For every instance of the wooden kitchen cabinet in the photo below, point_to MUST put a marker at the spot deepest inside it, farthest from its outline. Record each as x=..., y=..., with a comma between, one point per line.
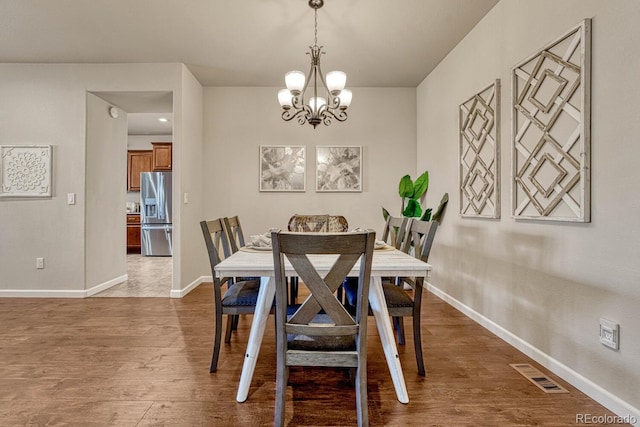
x=133, y=233
x=137, y=161
x=161, y=160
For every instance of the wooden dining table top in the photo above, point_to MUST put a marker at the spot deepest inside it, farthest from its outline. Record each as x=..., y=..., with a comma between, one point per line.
x=386, y=262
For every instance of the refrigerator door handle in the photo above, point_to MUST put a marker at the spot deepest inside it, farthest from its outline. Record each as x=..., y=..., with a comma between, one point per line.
x=161, y=191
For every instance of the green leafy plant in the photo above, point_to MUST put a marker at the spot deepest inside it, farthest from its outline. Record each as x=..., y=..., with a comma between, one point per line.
x=411, y=192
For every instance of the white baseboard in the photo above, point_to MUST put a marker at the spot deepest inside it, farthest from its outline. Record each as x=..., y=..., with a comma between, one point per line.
x=591, y=389
x=106, y=285
x=57, y=293
x=21, y=293
x=191, y=286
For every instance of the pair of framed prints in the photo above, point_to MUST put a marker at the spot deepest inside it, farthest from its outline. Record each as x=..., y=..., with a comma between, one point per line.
x=283, y=168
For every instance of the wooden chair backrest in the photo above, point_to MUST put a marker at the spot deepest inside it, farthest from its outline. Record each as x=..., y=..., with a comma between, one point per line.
x=395, y=229
x=421, y=235
x=215, y=239
x=350, y=247
x=233, y=229
x=318, y=224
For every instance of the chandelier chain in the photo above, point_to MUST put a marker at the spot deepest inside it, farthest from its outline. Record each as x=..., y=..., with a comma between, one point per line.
x=315, y=28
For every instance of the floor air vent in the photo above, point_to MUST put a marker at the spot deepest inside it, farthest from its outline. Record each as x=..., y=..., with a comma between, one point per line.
x=538, y=378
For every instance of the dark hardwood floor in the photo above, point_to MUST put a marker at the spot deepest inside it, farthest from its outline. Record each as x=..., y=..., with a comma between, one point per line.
x=145, y=362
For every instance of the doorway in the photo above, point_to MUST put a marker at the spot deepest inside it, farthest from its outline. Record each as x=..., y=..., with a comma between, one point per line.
x=149, y=120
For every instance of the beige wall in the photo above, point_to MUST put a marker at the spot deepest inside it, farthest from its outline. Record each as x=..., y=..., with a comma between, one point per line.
x=107, y=171
x=47, y=104
x=188, y=155
x=547, y=283
x=238, y=120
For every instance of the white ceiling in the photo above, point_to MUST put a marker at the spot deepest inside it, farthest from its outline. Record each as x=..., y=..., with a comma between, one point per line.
x=394, y=43
x=378, y=43
x=144, y=111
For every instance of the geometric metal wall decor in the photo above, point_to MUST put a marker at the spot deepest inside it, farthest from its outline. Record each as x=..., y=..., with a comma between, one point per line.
x=25, y=170
x=550, y=127
x=480, y=153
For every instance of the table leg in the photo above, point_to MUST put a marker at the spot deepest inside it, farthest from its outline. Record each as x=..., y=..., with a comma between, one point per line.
x=263, y=307
x=383, y=322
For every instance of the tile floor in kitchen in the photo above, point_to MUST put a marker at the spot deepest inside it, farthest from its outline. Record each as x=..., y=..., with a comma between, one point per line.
x=148, y=277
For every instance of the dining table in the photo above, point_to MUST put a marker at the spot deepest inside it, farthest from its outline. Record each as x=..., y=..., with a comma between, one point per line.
x=258, y=262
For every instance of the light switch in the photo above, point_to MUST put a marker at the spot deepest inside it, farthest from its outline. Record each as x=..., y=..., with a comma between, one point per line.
x=186, y=198
x=71, y=198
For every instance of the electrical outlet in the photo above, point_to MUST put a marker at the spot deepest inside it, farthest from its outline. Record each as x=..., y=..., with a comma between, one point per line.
x=39, y=263
x=609, y=333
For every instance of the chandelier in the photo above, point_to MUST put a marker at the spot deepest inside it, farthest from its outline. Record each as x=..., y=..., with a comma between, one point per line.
x=327, y=100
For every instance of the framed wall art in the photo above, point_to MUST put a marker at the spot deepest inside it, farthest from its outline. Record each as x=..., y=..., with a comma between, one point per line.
x=25, y=170
x=480, y=153
x=338, y=168
x=550, y=128
x=282, y=168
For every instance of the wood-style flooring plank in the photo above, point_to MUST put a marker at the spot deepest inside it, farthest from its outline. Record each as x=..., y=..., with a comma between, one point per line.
x=144, y=362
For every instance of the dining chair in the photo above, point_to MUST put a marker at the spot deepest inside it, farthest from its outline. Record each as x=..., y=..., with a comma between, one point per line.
x=395, y=229
x=314, y=223
x=393, y=234
x=234, y=233
x=400, y=302
x=235, y=238
x=318, y=223
x=322, y=332
x=240, y=297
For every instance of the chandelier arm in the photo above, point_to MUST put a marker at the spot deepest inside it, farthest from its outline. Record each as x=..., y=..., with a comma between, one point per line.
x=322, y=79
x=333, y=102
x=297, y=101
x=339, y=115
x=288, y=115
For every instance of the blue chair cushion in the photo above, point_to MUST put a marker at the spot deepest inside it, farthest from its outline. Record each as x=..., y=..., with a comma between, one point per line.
x=396, y=296
x=241, y=294
x=350, y=286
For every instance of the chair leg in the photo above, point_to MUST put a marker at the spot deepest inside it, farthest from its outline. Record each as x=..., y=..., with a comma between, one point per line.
x=362, y=406
x=216, y=342
x=293, y=290
x=281, y=387
x=417, y=343
x=227, y=334
x=398, y=324
x=236, y=318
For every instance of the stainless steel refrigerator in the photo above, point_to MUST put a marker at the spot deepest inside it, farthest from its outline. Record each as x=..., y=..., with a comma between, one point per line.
x=155, y=213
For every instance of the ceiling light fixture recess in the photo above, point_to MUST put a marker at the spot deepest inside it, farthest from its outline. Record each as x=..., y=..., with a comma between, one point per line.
x=333, y=99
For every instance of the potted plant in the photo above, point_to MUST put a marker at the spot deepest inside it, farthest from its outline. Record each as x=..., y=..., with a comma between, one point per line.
x=411, y=192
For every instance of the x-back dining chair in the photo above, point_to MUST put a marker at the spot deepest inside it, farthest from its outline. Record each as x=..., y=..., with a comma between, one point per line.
x=314, y=223
x=395, y=229
x=234, y=233
x=240, y=297
x=235, y=238
x=400, y=303
x=321, y=332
